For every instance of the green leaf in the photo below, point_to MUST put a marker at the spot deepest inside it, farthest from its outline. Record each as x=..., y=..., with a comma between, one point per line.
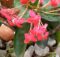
x=50, y=17
x=46, y=1
x=42, y=43
x=58, y=36
x=19, y=45
x=17, y=3
x=26, y=14
x=1, y=23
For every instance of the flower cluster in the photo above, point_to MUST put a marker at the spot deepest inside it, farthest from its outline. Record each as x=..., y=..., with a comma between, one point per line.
x=34, y=18
x=37, y=32
x=32, y=1
x=11, y=17
x=54, y=3
x=26, y=1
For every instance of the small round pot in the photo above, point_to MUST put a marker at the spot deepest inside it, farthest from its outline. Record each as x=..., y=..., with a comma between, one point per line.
x=6, y=33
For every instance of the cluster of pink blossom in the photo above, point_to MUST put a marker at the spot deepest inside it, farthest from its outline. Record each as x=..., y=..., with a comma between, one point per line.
x=12, y=18
x=26, y=1
x=34, y=18
x=38, y=32
x=32, y=1
x=54, y=3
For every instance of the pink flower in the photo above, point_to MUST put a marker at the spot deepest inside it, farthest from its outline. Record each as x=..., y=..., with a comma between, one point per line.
x=26, y=1
x=38, y=33
x=18, y=22
x=39, y=37
x=11, y=18
x=7, y=16
x=8, y=11
x=32, y=13
x=10, y=23
x=35, y=31
x=34, y=18
x=54, y=3
x=40, y=29
x=41, y=1
x=29, y=37
x=46, y=35
x=41, y=32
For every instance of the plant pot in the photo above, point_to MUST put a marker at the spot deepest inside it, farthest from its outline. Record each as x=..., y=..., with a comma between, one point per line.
x=6, y=33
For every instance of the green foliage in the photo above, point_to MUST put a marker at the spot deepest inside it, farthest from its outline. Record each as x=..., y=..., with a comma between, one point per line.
x=45, y=1
x=35, y=4
x=0, y=22
x=19, y=45
x=50, y=17
x=58, y=36
x=18, y=5
x=42, y=43
x=52, y=54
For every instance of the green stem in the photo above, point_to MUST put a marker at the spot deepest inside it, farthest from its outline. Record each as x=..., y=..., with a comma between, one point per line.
x=50, y=13
x=23, y=13
x=54, y=10
x=46, y=5
x=38, y=4
x=0, y=23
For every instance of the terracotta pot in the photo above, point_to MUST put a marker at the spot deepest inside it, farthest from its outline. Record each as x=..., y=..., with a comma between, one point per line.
x=6, y=33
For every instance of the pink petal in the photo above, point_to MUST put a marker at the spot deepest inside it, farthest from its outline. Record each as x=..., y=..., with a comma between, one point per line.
x=32, y=31
x=26, y=41
x=36, y=20
x=10, y=23
x=45, y=26
x=23, y=1
x=32, y=13
x=41, y=1
x=38, y=17
x=58, y=1
x=54, y=3
x=33, y=38
x=16, y=22
x=5, y=15
x=46, y=35
x=21, y=21
x=29, y=20
x=27, y=36
x=39, y=37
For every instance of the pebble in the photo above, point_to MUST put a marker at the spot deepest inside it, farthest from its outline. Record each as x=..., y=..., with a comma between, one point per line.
x=29, y=52
x=58, y=50
x=51, y=42
x=57, y=55
x=41, y=51
x=2, y=53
